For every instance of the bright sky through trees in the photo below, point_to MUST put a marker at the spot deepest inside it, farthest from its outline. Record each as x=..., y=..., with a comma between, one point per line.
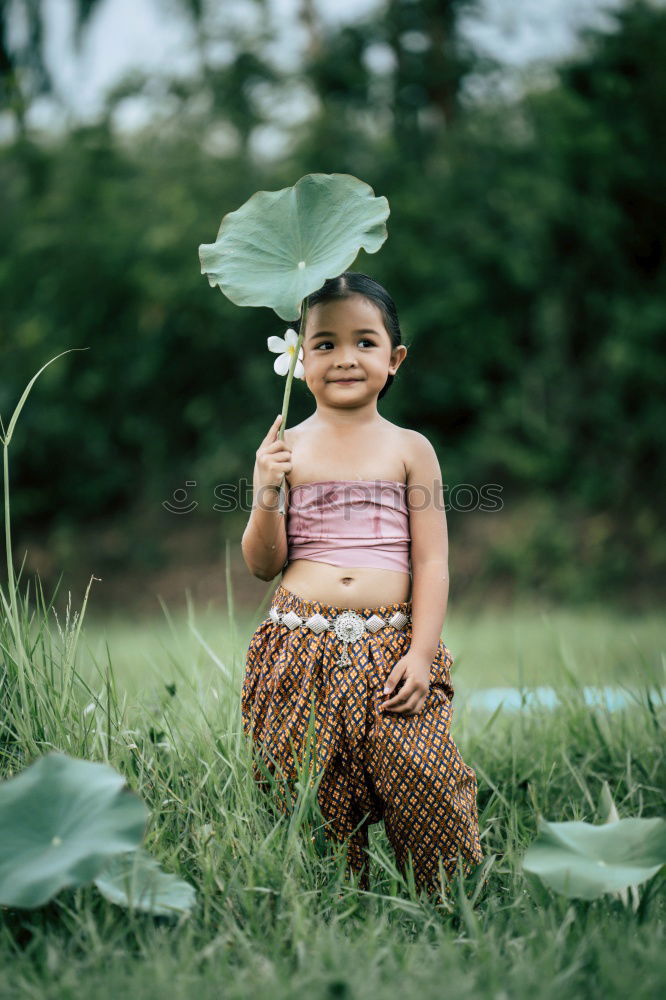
x=153, y=34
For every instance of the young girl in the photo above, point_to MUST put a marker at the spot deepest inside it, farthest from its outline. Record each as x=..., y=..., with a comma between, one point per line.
x=353, y=632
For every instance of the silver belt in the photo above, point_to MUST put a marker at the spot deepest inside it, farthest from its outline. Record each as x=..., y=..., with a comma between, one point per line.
x=348, y=626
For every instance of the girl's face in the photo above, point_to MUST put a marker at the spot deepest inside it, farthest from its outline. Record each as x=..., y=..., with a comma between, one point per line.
x=347, y=339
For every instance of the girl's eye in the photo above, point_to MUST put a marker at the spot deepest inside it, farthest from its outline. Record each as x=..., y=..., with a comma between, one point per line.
x=363, y=340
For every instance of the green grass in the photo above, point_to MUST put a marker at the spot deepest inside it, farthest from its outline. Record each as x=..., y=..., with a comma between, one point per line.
x=276, y=916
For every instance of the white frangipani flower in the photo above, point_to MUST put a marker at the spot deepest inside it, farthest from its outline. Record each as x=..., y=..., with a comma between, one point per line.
x=285, y=348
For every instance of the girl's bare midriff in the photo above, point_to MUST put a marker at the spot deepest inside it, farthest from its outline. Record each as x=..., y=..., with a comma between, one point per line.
x=345, y=586
x=313, y=461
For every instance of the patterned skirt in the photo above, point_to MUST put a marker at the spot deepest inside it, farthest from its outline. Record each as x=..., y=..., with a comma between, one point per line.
x=371, y=765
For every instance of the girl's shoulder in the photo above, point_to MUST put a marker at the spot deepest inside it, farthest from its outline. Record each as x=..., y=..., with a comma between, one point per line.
x=418, y=451
x=292, y=433
x=415, y=438
x=406, y=436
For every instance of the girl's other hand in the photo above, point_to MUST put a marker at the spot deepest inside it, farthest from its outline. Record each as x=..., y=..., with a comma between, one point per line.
x=273, y=458
x=414, y=670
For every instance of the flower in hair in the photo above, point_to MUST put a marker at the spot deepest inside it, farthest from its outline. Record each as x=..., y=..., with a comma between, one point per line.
x=286, y=347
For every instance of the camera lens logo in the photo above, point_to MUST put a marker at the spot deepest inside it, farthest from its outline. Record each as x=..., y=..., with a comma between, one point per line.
x=178, y=503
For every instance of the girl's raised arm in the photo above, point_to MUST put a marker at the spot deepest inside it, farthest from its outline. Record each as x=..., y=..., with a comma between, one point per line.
x=264, y=542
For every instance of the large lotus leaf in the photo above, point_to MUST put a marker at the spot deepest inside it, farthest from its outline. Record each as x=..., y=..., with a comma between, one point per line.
x=60, y=820
x=583, y=860
x=282, y=245
x=134, y=879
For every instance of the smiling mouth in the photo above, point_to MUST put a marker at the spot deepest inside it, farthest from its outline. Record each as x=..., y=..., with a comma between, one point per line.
x=345, y=380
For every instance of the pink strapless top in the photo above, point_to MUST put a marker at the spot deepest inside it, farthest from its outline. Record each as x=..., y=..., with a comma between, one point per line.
x=350, y=523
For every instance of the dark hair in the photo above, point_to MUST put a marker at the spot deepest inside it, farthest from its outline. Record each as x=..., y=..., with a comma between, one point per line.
x=354, y=283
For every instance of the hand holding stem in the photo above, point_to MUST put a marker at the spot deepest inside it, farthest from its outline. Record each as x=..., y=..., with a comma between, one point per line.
x=287, y=392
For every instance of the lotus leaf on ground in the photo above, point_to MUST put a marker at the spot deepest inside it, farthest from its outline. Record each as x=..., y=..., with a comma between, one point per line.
x=135, y=879
x=281, y=246
x=583, y=860
x=60, y=821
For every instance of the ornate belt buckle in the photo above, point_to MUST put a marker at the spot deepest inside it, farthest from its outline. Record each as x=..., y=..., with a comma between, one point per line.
x=348, y=626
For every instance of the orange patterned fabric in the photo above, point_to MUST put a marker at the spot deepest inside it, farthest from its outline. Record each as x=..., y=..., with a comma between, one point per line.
x=376, y=765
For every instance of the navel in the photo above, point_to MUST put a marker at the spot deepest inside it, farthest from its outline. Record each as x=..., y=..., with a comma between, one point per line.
x=348, y=579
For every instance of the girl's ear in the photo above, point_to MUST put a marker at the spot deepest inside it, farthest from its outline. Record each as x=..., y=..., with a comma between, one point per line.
x=398, y=355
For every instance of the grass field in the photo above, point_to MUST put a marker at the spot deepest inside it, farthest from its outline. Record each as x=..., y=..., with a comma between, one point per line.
x=276, y=917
